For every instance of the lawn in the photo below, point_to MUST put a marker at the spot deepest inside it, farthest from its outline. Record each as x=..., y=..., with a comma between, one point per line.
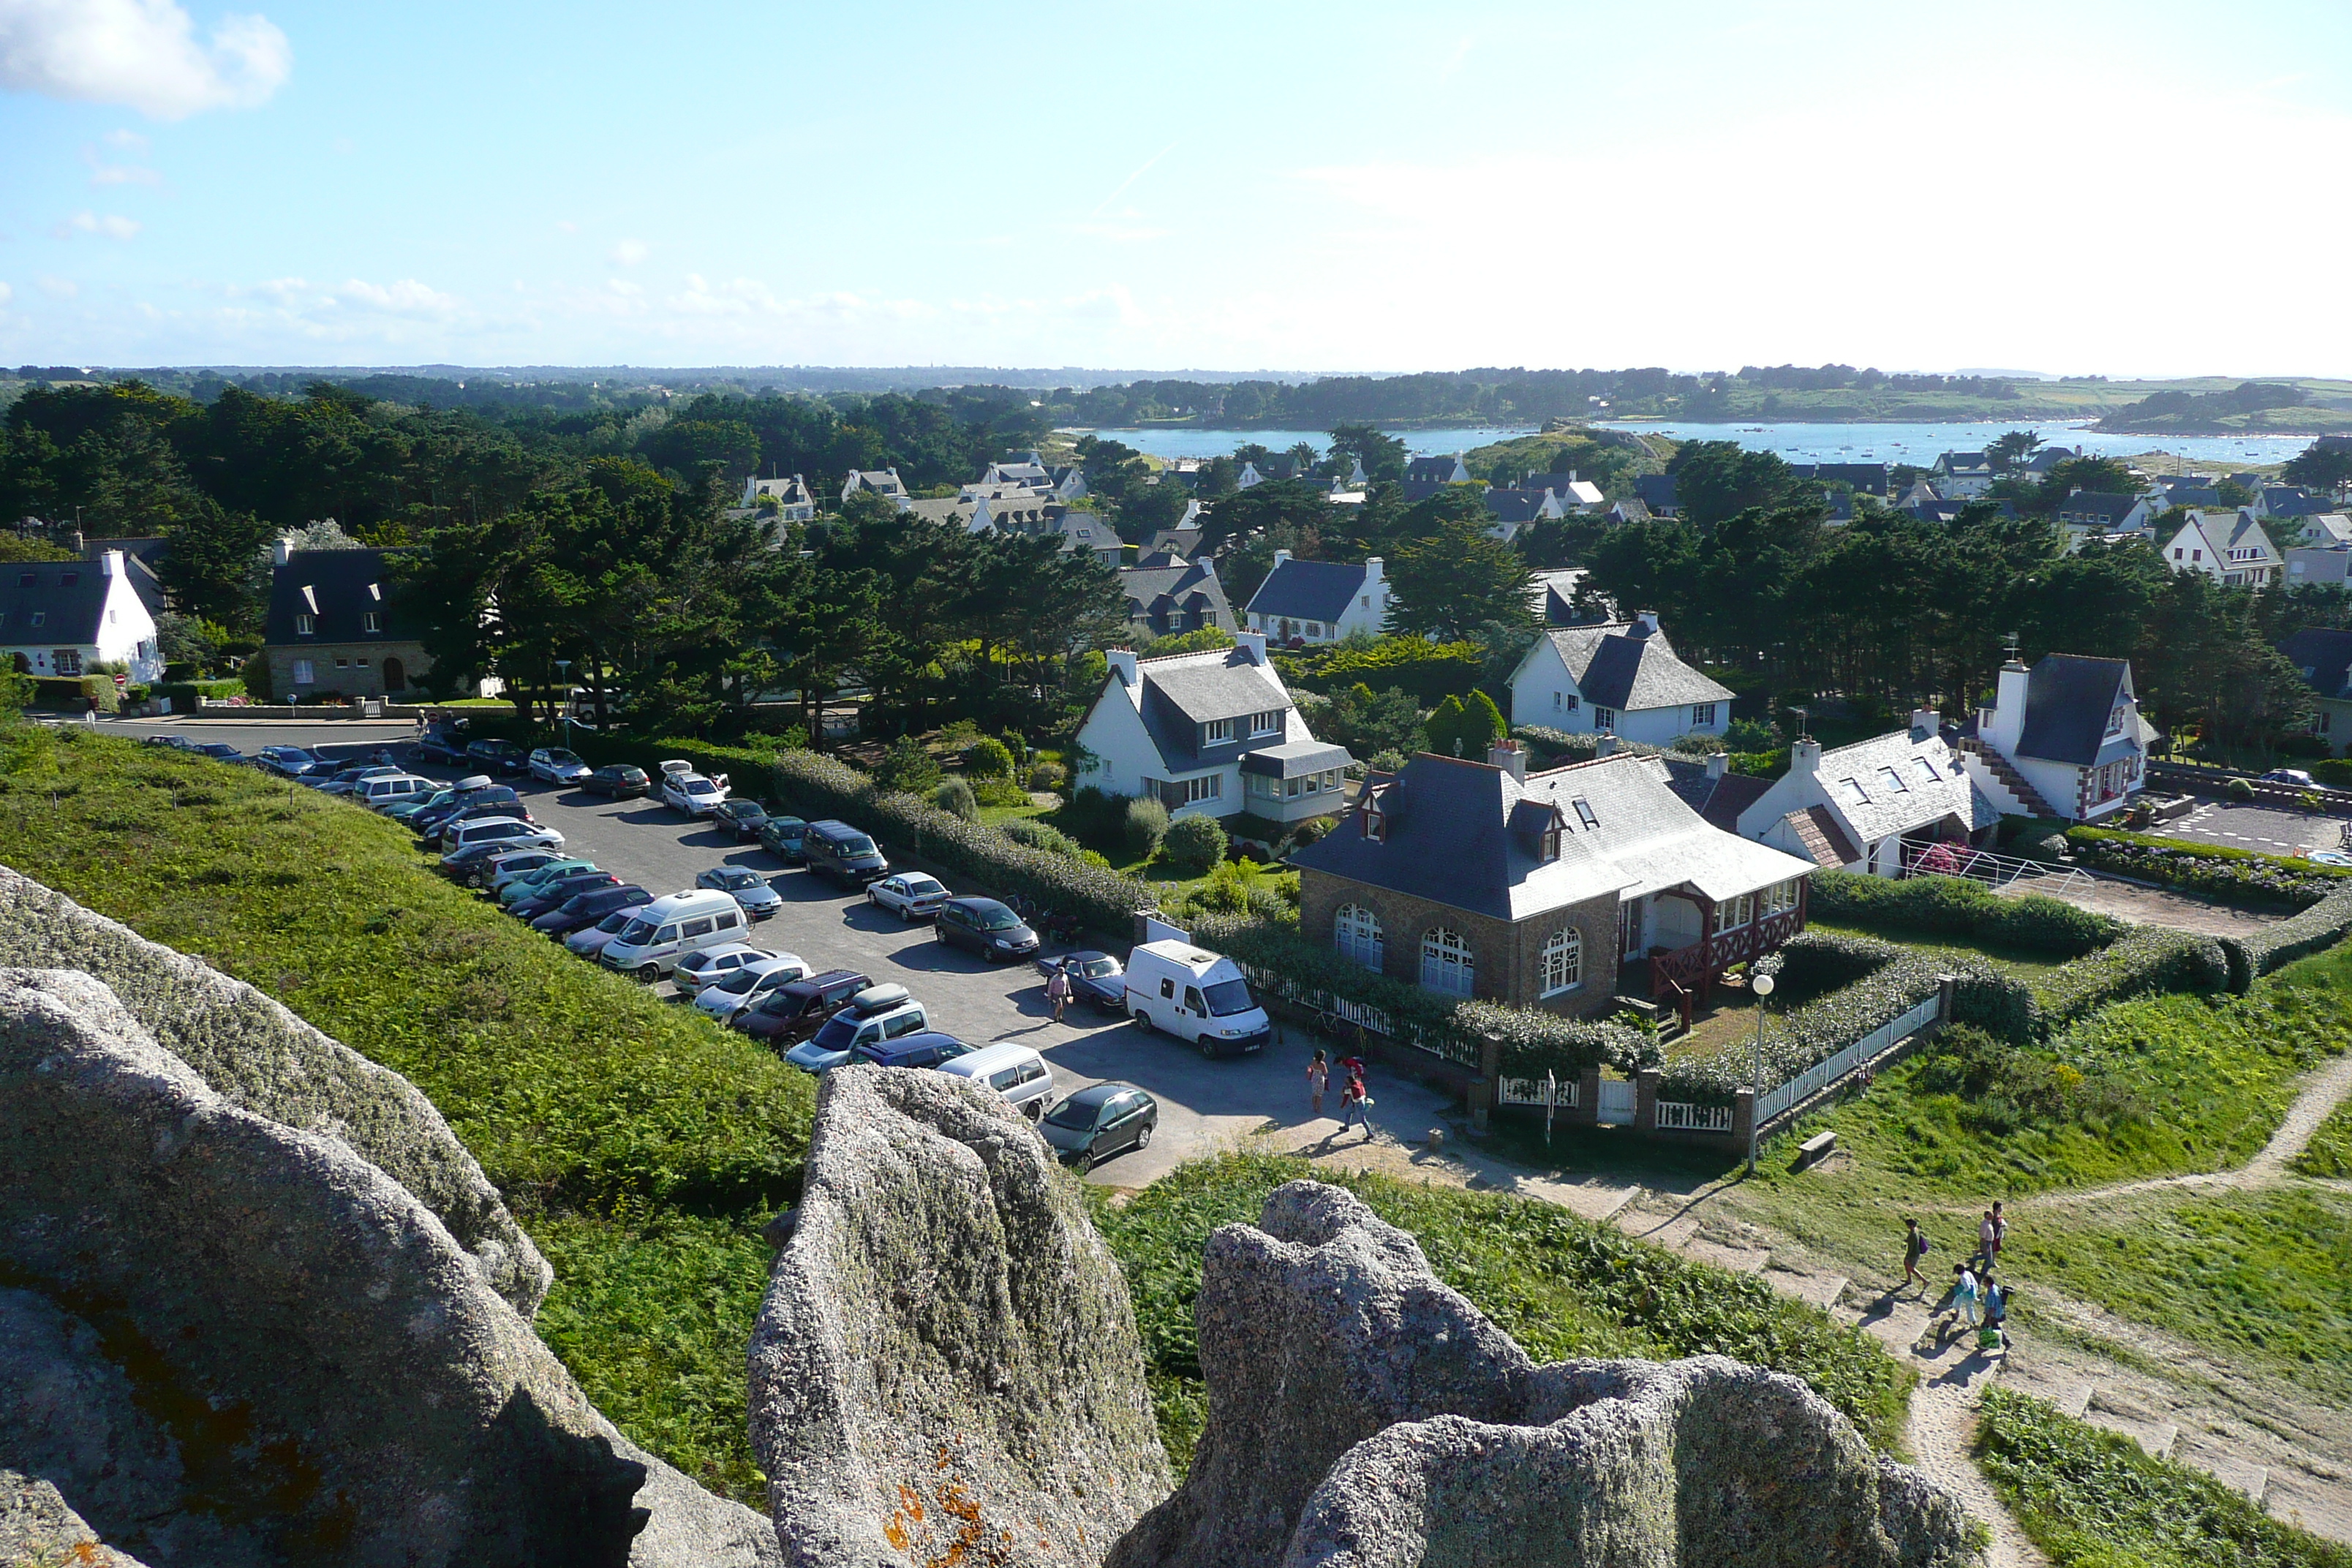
x=1561, y=1286
x=641, y=1145
x=2329, y=1153
x=2026, y=963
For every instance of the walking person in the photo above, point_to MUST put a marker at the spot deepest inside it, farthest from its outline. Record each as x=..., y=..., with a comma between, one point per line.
x=90, y=710
x=1992, y=1231
x=1966, y=1301
x=1352, y=1100
x=1057, y=991
x=1914, y=1248
x=1318, y=1073
x=1995, y=1336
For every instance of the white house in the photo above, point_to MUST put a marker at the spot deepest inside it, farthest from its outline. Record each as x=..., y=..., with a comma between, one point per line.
x=1320, y=601
x=1963, y=476
x=1450, y=471
x=1209, y=734
x=1862, y=808
x=1574, y=494
x=883, y=482
x=2062, y=739
x=1620, y=677
x=2105, y=512
x=794, y=501
x=2230, y=546
x=67, y=617
x=1513, y=510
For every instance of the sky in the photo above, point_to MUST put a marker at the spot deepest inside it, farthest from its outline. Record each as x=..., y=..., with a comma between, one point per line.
x=2076, y=186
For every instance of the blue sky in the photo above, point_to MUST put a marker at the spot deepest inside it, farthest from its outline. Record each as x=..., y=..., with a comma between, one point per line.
x=2154, y=187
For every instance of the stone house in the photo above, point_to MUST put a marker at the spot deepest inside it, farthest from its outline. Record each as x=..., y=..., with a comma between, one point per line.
x=335, y=625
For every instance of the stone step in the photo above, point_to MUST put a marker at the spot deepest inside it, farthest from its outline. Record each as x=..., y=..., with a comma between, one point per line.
x=1823, y=1290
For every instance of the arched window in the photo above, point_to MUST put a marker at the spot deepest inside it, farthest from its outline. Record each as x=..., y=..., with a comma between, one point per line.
x=1356, y=933
x=1446, y=966
x=1562, y=962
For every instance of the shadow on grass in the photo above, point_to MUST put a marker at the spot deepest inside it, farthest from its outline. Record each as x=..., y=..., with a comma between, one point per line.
x=1578, y=1152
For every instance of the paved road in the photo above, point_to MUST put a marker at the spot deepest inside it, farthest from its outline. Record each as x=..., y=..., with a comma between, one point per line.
x=1204, y=1105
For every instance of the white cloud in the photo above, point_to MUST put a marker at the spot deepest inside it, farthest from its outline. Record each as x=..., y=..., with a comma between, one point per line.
x=630, y=252
x=407, y=297
x=143, y=54
x=113, y=226
x=6, y=293
x=129, y=140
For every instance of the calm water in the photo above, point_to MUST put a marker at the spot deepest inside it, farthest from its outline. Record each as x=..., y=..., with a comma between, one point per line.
x=1918, y=445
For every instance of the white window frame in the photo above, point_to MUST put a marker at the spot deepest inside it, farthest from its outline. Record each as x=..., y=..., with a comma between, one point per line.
x=1216, y=732
x=1702, y=715
x=372, y=621
x=1266, y=723
x=1448, y=965
x=1561, y=963
x=304, y=673
x=1209, y=786
x=1604, y=718
x=1357, y=935
x=306, y=626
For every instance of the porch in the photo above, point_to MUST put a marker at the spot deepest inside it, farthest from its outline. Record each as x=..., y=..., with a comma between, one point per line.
x=1714, y=935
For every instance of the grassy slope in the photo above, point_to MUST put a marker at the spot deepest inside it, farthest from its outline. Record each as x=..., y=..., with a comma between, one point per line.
x=2329, y=1153
x=1563, y=1287
x=639, y=1144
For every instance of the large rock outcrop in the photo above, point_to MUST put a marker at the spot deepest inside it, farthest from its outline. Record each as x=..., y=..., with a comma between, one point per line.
x=1363, y=1415
x=254, y=1054
x=227, y=1341
x=946, y=1367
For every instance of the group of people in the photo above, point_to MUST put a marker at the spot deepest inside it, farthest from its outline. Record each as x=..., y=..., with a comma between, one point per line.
x=1353, y=1099
x=1977, y=1299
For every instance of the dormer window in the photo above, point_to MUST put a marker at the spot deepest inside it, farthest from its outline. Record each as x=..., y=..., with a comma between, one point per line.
x=1376, y=821
x=1265, y=723
x=1551, y=844
x=1216, y=732
x=372, y=621
x=306, y=626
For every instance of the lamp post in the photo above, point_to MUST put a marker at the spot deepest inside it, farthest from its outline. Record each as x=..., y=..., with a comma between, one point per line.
x=564, y=676
x=1762, y=985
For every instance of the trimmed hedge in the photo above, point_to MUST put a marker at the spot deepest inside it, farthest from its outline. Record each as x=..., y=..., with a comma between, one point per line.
x=73, y=691
x=2323, y=925
x=2231, y=876
x=1956, y=906
x=2146, y=958
x=1555, y=748
x=187, y=695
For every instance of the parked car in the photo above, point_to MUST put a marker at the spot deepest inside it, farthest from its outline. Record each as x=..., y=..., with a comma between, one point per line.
x=555, y=765
x=442, y=744
x=488, y=803
x=508, y=831
x=621, y=781
x=389, y=789
x=691, y=793
x=521, y=884
x=673, y=929
x=910, y=895
x=929, y=1048
x=1097, y=979
x=218, y=750
x=750, y=889
x=585, y=910
x=589, y=943
x=985, y=927
x=750, y=983
x=497, y=756
x=743, y=817
x=782, y=837
x=177, y=742
x=346, y=781
x=2295, y=776
x=1098, y=1121
x=557, y=891
x=715, y=963
x=1014, y=1071
x=793, y=1013
x=286, y=762
x=876, y=1014
x=408, y=810
x=462, y=793
x=503, y=870
x=837, y=850
x=1198, y=996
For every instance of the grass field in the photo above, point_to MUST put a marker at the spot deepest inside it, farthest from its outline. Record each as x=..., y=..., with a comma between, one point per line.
x=1561, y=1286
x=2329, y=1153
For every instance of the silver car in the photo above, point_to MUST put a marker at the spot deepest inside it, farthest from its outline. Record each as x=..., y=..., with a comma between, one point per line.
x=749, y=889
x=713, y=964
x=749, y=986
x=556, y=766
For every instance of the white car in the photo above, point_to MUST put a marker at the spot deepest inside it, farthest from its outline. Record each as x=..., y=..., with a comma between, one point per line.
x=556, y=766
x=749, y=986
x=910, y=895
x=691, y=793
x=715, y=963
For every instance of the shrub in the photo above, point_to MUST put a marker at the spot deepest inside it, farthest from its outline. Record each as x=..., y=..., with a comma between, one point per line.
x=1424, y=670
x=907, y=767
x=1048, y=776
x=1956, y=906
x=2001, y=1088
x=1000, y=791
x=988, y=758
x=2239, y=790
x=1751, y=735
x=2323, y=925
x=2146, y=958
x=1696, y=746
x=955, y=797
x=1390, y=762
x=253, y=673
x=73, y=691
x=1193, y=844
x=2233, y=875
x=1143, y=825
x=1040, y=836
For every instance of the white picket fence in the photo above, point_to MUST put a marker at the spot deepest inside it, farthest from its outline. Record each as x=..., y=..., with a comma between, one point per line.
x=1684, y=1115
x=1821, y=1075
x=1530, y=1091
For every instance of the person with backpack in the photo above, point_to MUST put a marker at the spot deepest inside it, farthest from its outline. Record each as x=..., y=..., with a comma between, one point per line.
x=1915, y=1248
x=1966, y=1299
x=1994, y=1335
x=1352, y=1102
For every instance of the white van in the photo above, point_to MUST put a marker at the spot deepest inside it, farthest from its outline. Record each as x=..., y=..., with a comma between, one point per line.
x=1194, y=996
x=673, y=928
x=1016, y=1072
x=391, y=790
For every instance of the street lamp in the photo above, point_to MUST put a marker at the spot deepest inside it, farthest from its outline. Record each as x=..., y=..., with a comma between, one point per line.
x=1762, y=985
x=564, y=675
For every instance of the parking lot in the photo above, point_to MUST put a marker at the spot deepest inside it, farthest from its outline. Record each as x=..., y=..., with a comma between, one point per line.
x=1204, y=1105
x=2265, y=829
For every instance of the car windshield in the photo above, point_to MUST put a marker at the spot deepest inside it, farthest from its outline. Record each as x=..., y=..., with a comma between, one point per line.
x=857, y=844
x=736, y=877
x=1228, y=997
x=1073, y=1113
x=563, y=759
x=997, y=919
x=637, y=932
x=786, y=1004
x=617, y=923
x=839, y=1032
x=700, y=786
x=1096, y=968
x=742, y=979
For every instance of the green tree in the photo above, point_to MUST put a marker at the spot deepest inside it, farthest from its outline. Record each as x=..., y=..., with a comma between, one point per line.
x=2325, y=465
x=1718, y=479
x=2012, y=450
x=1381, y=455
x=907, y=767
x=1454, y=576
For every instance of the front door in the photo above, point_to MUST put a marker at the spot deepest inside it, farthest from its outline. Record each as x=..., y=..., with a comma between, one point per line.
x=396, y=677
x=1629, y=928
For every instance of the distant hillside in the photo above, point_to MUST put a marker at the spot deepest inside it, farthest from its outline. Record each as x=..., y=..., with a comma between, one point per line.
x=2251, y=408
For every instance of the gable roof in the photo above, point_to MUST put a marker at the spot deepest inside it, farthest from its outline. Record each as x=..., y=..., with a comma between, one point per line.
x=1174, y=589
x=1618, y=665
x=1514, y=506
x=1459, y=834
x=1309, y=590
x=2098, y=506
x=1910, y=799
x=1438, y=470
x=1183, y=691
x=2068, y=698
x=2223, y=532
x=338, y=589
x=2324, y=657
x=1718, y=800
x=69, y=595
x=1824, y=838
x=1656, y=491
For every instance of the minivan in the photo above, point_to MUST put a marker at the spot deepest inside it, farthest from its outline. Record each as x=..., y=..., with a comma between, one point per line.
x=798, y=1010
x=1194, y=996
x=1016, y=1072
x=502, y=829
x=837, y=850
x=378, y=792
x=672, y=928
x=877, y=1014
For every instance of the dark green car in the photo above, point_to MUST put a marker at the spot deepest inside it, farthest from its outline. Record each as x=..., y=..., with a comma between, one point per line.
x=785, y=837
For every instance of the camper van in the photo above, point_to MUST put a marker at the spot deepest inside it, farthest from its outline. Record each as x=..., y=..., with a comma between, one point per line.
x=1014, y=1071
x=1198, y=996
x=673, y=928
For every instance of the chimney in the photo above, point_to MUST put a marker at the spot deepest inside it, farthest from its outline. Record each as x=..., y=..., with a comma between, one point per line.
x=1122, y=664
x=1253, y=646
x=283, y=551
x=1371, y=569
x=1571, y=476
x=110, y=563
x=1607, y=746
x=1279, y=557
x=1804, y=755
x=1511, y=758
x=1926, y=724
x=2007, y=724
x=1647, y=623
x=1717, y=763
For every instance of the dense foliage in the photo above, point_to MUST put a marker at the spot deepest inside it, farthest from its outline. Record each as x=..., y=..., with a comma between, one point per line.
x=1958, y=907
x=2231, y=876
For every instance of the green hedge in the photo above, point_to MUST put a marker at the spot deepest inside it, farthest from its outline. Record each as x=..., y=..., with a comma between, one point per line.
x=72, y=691
x=187, y=695
x=2323, y=925
x=1955, y=906
x=1429, y=672
x=2231, y=876
x=1556, y=747
x=2146, y=958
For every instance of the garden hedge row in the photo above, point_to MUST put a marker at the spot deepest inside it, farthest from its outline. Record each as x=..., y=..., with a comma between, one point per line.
x=2323, y=925
x=72, y=691
x=1429, y=672
x=2233, y=875
x=187, y=695
x=2146, y=958
x=1955, y=906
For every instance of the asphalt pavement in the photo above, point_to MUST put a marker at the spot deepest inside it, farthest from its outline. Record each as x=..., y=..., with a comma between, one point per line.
x=1204, y=1105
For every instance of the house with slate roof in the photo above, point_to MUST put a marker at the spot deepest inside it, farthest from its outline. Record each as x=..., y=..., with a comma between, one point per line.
x=1574, y=494
x=1167, y=597
x=2229, y=547
x=883, y=482
x=2330, y=563
x=1551, y=594
x=1873, y=806
x=2104, y=512
x=67, y=617
x=2062, y=739
x=2287, y=503
x=2324, y=659
x=1656, y=491
x=794, y=501
x=1438, y=471
x=336, y=624
x=1209, y=734
x=1310, y=602
x=1962, y=474
x=1513, y=510
x=1620, y=677
x=1556, y=889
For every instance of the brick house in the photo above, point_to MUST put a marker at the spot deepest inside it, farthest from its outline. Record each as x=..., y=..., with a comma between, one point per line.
x=1559, y=890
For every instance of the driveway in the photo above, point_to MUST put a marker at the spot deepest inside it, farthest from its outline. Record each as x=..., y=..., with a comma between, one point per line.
x=1204, y=1105
x=2265, y=829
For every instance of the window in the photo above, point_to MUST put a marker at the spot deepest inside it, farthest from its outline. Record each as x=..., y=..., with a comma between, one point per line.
x=1736, y=914
x=698, y=928
x=1446, y=966
x=1315, y=628
x=1895, y=780
x=1781, y=896
x=1268, y=724
x=1215, y=730
x=306, y=626
x=1584, y=812
x=1604, y=718
x=302, y=676
x=1555, y=702
x=1208, y=788
x=1562, y=962
x=1376, y=821
x=1926, y=771
x=1356, y=933
x=69, y=579
x=1854, y=793
x=40, y=619
x=372, y=621
x=1550, y=848
x=2115, y=718
x=1265, y=788
x=342, y=664
x=26, y=579
x=67, y=659
x=1702, y=715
